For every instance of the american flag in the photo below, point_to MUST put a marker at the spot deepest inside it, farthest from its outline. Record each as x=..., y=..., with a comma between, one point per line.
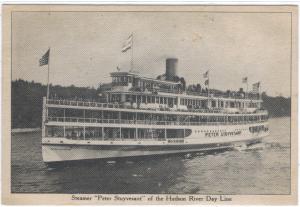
x=45, y=59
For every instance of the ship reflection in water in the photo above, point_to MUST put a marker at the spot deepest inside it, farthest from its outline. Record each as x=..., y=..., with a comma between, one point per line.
x=264, y=169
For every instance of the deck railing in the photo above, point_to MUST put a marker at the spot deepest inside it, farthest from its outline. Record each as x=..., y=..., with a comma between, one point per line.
x=144, y=122
x=232, y=95
x=92, y=104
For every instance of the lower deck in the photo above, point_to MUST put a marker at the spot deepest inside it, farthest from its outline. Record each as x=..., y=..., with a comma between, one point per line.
x=111, y=132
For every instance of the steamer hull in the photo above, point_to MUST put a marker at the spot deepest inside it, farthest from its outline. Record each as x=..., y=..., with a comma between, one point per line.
x=62, y=149
x=61, y=153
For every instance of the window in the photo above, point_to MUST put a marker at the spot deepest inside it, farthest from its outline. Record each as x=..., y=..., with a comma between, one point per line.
x=231, y=104
x=54, y=131
x=213, y=103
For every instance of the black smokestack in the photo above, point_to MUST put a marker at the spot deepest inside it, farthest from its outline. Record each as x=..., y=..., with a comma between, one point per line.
x=171, y=68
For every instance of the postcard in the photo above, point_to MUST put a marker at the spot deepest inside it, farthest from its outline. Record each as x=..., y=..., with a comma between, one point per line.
x=149, y=104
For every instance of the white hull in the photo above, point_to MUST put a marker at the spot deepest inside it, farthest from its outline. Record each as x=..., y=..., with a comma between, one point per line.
x=63, y=149
x=71, y=153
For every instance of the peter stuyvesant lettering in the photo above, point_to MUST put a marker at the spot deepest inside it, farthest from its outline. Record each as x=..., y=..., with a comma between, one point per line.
x=119, y=198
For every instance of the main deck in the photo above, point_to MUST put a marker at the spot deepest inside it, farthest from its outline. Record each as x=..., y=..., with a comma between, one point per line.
x=81, y=120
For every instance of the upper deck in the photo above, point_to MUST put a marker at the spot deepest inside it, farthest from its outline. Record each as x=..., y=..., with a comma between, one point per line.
x=170, y=92
x=133, y=82
x=75, y=104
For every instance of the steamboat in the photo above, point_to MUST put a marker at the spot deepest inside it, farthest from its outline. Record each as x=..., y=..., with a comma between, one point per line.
x=142, y=116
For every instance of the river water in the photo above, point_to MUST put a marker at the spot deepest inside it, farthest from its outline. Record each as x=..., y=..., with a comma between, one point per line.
x=257, y=171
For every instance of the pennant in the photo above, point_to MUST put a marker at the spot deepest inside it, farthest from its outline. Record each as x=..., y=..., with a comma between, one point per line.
x=127, y=44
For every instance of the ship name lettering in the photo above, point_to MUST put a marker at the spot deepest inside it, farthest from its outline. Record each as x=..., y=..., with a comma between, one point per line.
x=222, y=134
x=230, y=133
x=212, y=134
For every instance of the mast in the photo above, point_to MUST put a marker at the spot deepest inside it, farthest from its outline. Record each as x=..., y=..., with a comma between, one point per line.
x=208, y=84
x=247, y=93
x=259, y=95
x=131, y=53
x=48, y=86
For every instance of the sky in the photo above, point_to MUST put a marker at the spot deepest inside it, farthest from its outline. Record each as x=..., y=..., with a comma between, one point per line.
x=86, y=47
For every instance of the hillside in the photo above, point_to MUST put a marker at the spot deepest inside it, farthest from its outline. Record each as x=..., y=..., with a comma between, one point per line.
x=277, y=106
x=27, y=101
